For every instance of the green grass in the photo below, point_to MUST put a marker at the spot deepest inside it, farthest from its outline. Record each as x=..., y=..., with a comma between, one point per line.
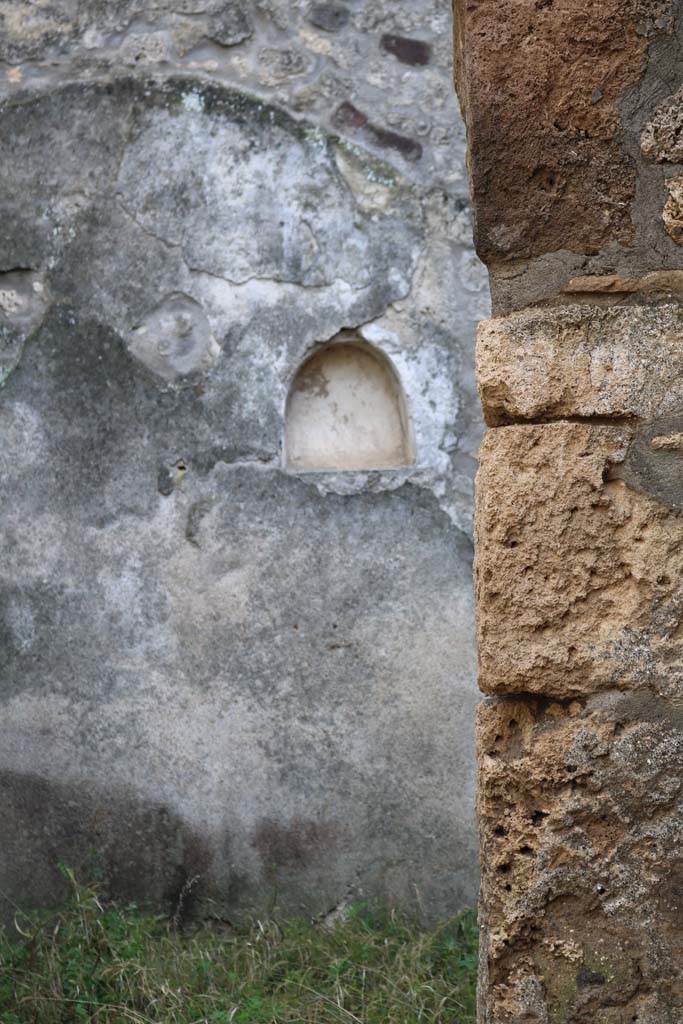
x=97, y=962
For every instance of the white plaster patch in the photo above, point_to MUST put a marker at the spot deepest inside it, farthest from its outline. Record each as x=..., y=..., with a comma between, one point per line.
x=23, y=438
x=193, y=102
x=431, y=394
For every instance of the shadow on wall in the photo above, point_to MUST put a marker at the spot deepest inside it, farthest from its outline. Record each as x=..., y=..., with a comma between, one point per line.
x=139, y=850
x=346, y=410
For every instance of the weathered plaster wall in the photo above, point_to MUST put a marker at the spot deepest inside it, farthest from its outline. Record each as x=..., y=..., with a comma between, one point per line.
x=213, y=668
x=573, y=114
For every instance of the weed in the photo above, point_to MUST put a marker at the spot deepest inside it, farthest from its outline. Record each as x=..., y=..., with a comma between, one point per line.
x=97, y=962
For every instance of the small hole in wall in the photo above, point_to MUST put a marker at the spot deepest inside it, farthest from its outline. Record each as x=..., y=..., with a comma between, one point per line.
x=346, y=411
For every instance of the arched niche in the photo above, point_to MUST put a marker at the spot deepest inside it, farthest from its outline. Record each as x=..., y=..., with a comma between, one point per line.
x=346, y=411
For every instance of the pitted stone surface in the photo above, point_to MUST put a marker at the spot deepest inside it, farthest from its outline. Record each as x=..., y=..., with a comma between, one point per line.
x=662, y=137
x=579, y=806
x=578, y=576
x=581, y=361
x=545, y=176
x=572, y=111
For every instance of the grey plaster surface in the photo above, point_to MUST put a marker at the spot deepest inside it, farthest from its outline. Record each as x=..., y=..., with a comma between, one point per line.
x=213, y=669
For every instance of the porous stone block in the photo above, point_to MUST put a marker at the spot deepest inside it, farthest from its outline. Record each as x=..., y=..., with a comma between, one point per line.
x=558, y=98
x=579, y=805
x=541, y=84
x=581, y=361
x=662, y=137
x=578, y=573
x=573, y=121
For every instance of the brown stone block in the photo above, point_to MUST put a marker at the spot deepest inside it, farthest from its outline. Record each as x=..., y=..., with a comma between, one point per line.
x=581, y=361
x=579, y=814
x=541, y=84
x=578, y=574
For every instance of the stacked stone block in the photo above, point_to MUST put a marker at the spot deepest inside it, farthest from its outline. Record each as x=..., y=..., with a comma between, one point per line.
x=579, y=534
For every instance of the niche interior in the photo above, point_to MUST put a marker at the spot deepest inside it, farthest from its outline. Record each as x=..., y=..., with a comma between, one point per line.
x=346, y=411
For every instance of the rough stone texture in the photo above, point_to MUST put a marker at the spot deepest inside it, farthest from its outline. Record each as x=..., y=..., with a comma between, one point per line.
x=556, y=97
x=579, y=807
x=662, y=137
x=573, y=111
x=578, y=575
x=579, y=571
x=657, y=285
x=211, y=668
x=581, y=361
x=672, y=214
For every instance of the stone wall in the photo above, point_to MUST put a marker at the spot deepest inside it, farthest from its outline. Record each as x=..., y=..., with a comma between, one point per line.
x=574, y=114
x=223, y=677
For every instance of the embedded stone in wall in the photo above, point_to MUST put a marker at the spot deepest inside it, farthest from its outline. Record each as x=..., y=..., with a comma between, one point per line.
x=581, y=361
x=559, y=180
x=230, y=25
x=23, y=300
x=556, y=97
x=672, y=214
x=654, y=286
x=329, y=17
x=358, y=124
x=346, y=410
x=577, y=574
x=414, y=52
x=662, y=137
x=174, y=339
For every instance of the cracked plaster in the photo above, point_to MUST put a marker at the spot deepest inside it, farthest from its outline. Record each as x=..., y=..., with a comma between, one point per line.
x=270, y=676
